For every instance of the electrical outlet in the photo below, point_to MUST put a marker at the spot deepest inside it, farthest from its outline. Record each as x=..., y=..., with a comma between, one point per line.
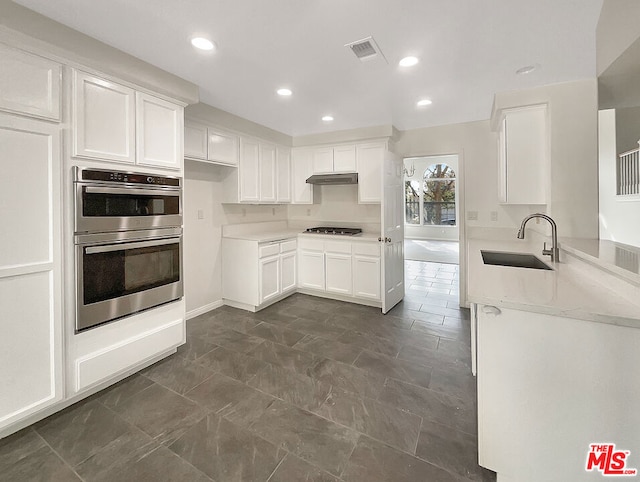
x=200, y=214
x=308, y=212
x=244, y=212
x=494, y=215
x=273, y=211
x=472, y=215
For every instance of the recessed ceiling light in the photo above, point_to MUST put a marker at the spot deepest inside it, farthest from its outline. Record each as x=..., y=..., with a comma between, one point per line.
x=423, y=102
x=408, y=62
x=202, y=43
x=327, y=118
x=284, y=92
x=527, y=69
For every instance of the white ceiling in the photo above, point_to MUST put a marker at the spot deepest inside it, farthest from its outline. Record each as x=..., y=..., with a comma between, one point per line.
x=468, y=50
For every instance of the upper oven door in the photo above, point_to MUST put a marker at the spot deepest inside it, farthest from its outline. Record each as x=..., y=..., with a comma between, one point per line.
x=104, y=208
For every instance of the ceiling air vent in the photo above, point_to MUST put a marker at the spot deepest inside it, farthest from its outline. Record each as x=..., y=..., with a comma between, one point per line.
x=365, y=49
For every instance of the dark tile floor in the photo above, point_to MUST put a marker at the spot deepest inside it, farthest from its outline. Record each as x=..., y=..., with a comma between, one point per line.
x=306, y=390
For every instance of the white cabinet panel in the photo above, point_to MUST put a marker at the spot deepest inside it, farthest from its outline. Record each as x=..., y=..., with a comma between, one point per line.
x=283, y=174
x=523, y=156
x=344, y=159
x=302, y=169
x=338, y=273
x=366, y=277
x=25, y=192
x=370, y=158
x=29, y=84
x=195, y=141
x=288, y=270
x=223, y=147
x=159, y=131
x=27, y=370
x=311, y=270
x=267, y=173
x=322, y=160
x=103, y=119
x=249, y=170
x=269, y=272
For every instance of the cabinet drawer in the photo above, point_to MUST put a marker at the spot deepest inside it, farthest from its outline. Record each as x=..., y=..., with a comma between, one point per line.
x=338, y=247
x=268, y=250
x=287, y=246
x=312, y=244
x=367, y=249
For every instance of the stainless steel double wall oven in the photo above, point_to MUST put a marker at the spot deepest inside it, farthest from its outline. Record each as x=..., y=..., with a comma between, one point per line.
x=128, y=243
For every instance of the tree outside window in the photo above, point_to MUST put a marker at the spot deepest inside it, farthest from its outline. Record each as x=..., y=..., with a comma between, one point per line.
x=437, y=196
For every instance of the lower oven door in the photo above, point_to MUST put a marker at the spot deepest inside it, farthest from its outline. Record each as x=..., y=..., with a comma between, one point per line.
x=116, y=277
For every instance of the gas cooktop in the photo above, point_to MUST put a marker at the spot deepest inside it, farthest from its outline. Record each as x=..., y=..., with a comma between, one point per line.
x=333, y=230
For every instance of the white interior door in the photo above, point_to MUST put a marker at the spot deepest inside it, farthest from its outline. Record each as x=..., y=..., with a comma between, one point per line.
x=392, y=232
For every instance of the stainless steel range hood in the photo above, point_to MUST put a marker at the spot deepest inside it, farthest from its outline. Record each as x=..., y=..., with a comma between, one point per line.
x=326, y=179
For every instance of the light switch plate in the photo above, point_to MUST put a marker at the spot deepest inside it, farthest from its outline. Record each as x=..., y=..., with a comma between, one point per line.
x=472, y=215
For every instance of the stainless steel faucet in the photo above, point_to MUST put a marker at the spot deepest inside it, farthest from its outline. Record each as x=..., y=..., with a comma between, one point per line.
x=554, y=252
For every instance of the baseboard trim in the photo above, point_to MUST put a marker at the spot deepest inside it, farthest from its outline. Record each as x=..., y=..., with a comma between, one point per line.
x=204, y=309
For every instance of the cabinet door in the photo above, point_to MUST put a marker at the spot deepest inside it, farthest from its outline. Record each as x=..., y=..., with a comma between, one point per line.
x=283, y=175
x=370, y=158
x=103, y=119
x=267, y=173
x=159, y=131
x=338, y=273
x=29, y=84
x=301, y=170
x=311, y=270
x=223, y=147
x=525, y=166
x=344, y=159
x=248, y=171
x=195, y=141
x=322, y=160
x=366, y=277
x=269, y=272
x=30, y=268
x=288, y=271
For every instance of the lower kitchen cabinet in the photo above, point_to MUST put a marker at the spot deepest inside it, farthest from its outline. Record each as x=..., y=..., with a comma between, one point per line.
x=349, y=270
x=257, y=274
x=550, y=386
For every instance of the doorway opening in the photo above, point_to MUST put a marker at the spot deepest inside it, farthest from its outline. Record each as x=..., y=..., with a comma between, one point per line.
x=432, y=206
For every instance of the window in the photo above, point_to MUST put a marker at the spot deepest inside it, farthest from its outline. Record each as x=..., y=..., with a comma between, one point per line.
x=436, y=194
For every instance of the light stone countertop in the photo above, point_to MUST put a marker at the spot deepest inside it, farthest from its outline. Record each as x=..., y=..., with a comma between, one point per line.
x=269, y=236
x=566, y=291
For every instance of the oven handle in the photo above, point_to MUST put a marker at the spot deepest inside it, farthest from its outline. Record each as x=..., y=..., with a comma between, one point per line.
x=119, y=247
x=121, y=190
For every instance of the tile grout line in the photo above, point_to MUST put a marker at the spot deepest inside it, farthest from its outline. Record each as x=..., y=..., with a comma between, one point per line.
x=64, y=461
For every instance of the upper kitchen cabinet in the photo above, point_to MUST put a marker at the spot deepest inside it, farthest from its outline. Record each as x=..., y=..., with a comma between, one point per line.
x=29, y=84
x=370, y=158
x=115, y=123
x=523, y=155
x=208, y=144
x=301, y=170
x=283, y=174
x=159, y=131
x=267, y=173
x=328, y=160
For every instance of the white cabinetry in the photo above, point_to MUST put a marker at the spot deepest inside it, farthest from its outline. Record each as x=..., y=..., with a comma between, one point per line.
x=301, y=170
x=209, y=144
x=258, y=274
x=548, y=387
x=29, y=84
x=523, y=153
x=30, y=268
x=114, y=122
x=342, y=268
x=263, y=174
x=283, y=174
x=334, y=159
x=370, y=158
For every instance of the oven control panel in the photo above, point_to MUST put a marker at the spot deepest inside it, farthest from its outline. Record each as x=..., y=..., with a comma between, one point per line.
x=125, y=177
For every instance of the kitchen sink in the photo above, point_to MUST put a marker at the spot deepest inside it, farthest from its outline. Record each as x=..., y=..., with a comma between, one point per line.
x=516, y=260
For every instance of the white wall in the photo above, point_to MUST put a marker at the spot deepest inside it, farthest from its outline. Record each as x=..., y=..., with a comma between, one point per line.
x=619, y=217
x=450, y=233
x=627, y=128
